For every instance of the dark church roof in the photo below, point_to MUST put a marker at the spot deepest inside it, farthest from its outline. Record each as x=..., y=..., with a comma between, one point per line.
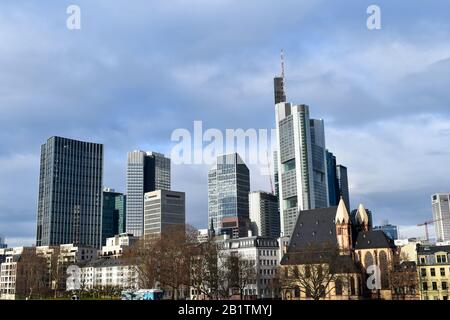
x=372, y=240
x=314, y=226
x=314, y=230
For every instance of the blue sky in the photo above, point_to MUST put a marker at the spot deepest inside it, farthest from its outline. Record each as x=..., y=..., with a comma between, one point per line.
x=138, y=70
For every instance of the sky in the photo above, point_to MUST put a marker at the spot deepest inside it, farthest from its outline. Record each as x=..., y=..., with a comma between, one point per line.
x=138, y=70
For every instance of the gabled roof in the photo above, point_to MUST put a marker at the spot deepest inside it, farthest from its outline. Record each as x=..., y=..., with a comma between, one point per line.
x=361, y=215
x=342, y=215
x=432, y=249
x=373, y=239
x=314, y=226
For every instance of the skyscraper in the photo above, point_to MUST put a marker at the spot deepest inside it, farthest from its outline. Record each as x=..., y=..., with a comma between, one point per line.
x=146, y=172
x=341, y=173
x=70, y=193
x=264, y=214
x=319, y=163
x=440, y=203
x=112, y=214
x=163, y=210
x=228, y=188
x=302, y=171
x=121, y=207
x=302, y=178
x=333, y=184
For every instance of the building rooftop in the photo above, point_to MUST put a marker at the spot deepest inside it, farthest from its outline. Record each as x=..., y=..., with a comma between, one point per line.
x=373, y=239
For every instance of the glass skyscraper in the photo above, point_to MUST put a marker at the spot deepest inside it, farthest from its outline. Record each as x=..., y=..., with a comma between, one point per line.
x=113, y=214
x=333, y=184
x=301, y=163
x=342, y=177
x=228, y=189
x=146, y=172
x=70, y=193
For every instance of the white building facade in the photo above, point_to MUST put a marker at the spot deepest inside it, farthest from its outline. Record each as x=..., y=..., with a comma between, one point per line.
x=440, y=203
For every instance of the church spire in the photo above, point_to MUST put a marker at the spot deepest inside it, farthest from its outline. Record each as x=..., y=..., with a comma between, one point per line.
x=362, y=218
x=342, y=215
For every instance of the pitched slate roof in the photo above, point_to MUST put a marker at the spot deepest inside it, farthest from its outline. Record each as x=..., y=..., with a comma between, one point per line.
x=314, y=226
x=432, y=249
x=314, y=234
x=372, y=240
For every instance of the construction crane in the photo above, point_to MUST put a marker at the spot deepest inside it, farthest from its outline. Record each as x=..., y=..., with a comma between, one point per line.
x=426, y=223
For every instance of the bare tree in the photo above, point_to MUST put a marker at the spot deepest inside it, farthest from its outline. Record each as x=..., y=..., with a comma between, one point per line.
x=403, y=278
x=32, y=275
x=243, y=272
x=314, y=270
x=175, y=259
x=204, y=269
x=144, y=256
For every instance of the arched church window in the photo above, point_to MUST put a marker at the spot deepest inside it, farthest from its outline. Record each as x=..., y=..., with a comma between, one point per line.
x=368, y=259
x=384, y=269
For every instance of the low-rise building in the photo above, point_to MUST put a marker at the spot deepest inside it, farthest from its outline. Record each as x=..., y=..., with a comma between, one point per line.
x=112, y=273
x=8, y=272
x=434, y=272
x=115, y=246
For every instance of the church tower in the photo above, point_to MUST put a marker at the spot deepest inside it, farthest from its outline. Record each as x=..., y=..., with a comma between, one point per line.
x=362, y=219
x=343, y=228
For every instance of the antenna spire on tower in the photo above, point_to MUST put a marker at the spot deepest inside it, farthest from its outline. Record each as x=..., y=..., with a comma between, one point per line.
x=282, y=63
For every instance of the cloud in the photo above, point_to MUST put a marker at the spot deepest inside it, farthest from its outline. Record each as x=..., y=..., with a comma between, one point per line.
x=135, y=72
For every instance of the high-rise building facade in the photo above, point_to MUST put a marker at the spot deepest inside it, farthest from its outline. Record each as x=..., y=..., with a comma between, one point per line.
x=342, y=177
x=70, y=193
x=301, y=163
x=163, y=210
x=113, y=213
x=146, y=172
x=440, y=203
x=333, y=184
x=264, y=214
x=319, y=163
x=121, y=207
x=228, y=189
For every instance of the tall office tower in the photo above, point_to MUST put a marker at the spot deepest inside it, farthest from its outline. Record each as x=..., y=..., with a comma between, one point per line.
x=341, y=173
x=113, y=214
x=70, y=193
x=440, y=203
x=146, y=172
x=163, y=211
x=333, y=184
x=228, y=188
x=264, y=214
x=121, y=207
x=319, y=163
x=301, y=163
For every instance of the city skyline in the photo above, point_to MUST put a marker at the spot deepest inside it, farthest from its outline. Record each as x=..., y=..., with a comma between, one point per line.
x=363, y=84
